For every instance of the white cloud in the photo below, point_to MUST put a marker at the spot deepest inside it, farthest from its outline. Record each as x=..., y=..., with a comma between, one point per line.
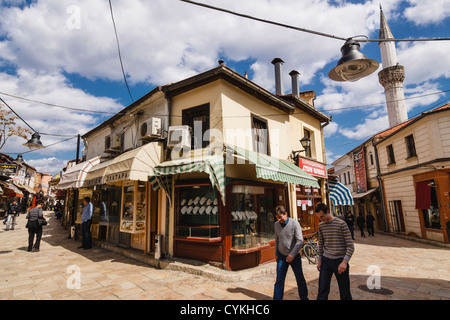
x=367, y=128
x=330, y=129
x=51, y=165
x=424, y=12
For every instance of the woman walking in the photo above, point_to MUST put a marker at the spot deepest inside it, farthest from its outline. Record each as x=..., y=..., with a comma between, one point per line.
x=34, y=228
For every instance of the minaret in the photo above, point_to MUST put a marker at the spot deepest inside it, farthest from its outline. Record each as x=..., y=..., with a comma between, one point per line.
x=392, y=76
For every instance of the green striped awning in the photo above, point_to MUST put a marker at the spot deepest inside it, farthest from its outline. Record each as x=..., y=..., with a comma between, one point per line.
x=270, y=168
x=212, y=165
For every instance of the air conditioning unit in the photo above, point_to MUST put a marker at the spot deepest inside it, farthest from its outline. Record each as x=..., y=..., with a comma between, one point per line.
x=151, y=129
x=179, y=136
x=113, y=142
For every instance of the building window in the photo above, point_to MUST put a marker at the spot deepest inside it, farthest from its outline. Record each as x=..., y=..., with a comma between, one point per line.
x=410, y=146
x=345, y=178
x=390, y=154
x=371, y=159
x=307, y=134
x=431, y=217
x=198, y=119
x=260, y=135
x=348, y=177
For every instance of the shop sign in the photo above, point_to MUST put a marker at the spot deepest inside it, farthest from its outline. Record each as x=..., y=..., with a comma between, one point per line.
x=360, y=170
x=8, y=169
x=313, y=168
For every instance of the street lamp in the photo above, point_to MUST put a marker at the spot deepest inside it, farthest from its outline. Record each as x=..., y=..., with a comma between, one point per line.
x=306, y=143
x=353, y=65
x=35, y=142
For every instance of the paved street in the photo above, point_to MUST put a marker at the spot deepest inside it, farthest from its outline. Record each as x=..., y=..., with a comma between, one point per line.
x=408, y=269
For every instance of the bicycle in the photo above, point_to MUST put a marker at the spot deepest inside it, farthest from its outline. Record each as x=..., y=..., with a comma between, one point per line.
x=311, y=248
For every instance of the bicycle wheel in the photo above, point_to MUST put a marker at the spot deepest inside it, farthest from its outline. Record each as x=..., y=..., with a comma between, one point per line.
x=311, y=253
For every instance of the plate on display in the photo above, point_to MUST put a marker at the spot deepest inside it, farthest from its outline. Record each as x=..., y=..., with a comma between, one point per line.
x=215, y=202
x=195, y=211
x=202, y=210
x=214, y=210
x=189, y=210
x=196, y=200
x=208, y=202
x=184, y=210
x=234, y=216
x=183, y=202
x=202, y=200
x=208, y=210
x=190, y=201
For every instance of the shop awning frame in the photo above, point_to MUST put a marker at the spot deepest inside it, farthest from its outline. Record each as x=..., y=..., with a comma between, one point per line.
x=362, y=195
x=340, y=194
x=96, y=175
x=74, y=176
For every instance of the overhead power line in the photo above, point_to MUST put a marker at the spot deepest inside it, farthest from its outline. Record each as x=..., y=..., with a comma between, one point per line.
x=118, y=49
x=303, y=29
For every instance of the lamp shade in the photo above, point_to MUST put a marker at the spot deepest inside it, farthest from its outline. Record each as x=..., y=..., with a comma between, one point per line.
x=19, y=158
x=306, y=142
x=34, y=142
x=353, y=65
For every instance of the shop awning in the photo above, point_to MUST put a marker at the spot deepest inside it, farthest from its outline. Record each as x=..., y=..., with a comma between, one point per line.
x=135, y=164
x=25, y=188
x=74, y=176
x=270, y=168
x=10, y=190
x=96, y=175
x=361, y=195
x=339, y=194
x=212, y=165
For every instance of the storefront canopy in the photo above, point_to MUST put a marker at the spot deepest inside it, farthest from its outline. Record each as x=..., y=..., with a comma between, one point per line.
x=212, y=165
x=74, y=176
x=25, y=188
x=270, y=168
x=10, y=190
x=339, y=194
x=362, y=195
x=96, y=175
x=135, y=164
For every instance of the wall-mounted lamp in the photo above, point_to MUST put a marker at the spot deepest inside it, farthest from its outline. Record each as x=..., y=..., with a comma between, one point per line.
x=306, y=143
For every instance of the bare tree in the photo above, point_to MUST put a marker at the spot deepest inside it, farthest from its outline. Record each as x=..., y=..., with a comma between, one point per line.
x=9, y=127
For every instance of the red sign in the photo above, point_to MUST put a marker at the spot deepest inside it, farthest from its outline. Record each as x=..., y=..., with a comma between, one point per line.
x=313, y=168
x=360, y=170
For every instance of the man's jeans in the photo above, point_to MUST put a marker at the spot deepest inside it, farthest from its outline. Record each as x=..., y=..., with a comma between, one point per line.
x=11, y=222
x=86, y=234
x=327, y=269
x=282, y=268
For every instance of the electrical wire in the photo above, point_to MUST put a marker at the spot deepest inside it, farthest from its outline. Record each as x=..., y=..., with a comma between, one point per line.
x=50, y=145
x=118, y=49
x=3, y=101
x=303, y=29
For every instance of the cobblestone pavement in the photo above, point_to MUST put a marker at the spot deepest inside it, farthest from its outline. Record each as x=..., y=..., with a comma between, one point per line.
x=408, y=269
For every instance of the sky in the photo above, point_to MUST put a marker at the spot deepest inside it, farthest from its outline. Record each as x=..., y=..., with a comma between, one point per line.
x=64, y=52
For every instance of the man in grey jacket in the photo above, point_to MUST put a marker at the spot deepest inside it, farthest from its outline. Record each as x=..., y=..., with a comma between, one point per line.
x=288, y=242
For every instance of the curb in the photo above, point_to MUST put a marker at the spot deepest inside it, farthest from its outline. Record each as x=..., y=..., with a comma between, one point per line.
x=420, y=240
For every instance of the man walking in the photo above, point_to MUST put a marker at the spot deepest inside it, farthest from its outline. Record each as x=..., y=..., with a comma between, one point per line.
x=86, y=221
x=360, y=221
x=13, y=211
x=335, y=250
x=288, y=242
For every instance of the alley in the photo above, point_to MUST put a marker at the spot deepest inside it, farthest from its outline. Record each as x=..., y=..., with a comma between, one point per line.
x=408, y=270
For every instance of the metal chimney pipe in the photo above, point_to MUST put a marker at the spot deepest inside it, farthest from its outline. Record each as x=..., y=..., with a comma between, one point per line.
x=295, y=83
x=279, y=87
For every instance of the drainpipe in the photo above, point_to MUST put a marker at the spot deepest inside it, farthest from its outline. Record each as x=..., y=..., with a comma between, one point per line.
x=167, y=224
x=380, y=186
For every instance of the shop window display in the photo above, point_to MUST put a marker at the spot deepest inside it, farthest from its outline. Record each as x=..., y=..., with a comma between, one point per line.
x=197, y=212
x=431, y=216
x=252, y=216
x=110, y=204
x=134, y=207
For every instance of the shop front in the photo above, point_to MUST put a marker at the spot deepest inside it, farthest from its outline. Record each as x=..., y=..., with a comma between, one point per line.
x=224, y=205
x=129, y=206
x=308, y=197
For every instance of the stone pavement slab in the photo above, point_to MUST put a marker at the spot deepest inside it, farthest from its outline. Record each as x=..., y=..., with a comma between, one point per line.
x=411, y=270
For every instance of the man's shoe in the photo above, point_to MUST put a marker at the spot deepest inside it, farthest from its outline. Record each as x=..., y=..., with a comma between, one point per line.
x=35, y=250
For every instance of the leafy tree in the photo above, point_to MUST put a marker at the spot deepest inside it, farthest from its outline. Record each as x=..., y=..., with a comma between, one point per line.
x=9, y=127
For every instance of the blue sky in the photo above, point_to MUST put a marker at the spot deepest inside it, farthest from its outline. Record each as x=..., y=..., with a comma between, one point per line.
x=64, y=52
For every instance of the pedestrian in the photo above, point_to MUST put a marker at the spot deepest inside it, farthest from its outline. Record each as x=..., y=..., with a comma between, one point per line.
x=86, y=221
x=370, y=219
x=360, y=221
x=34, y=228
x=350, y=220
x=288, y=242
x=13, y=212
x=335, y=250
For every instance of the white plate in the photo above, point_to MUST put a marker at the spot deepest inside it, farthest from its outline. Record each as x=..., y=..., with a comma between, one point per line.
x=190, y=202
x=202, y=200
x=183, y=210
x=208, y=202
x=195, y=211
x=234, y=216
x=183, y=202
x=189, y=210
x=215, y=202
x=208, y=210
x=196, y=200
x=214, y=210
x=239, y=214
x=202, y=210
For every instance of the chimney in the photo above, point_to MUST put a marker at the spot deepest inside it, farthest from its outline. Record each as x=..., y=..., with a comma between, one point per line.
x=278, y=63
x=295, y=83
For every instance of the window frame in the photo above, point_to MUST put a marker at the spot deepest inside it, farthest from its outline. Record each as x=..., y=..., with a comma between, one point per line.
x=390, y=154
x=410, y=146
x=256, y=135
